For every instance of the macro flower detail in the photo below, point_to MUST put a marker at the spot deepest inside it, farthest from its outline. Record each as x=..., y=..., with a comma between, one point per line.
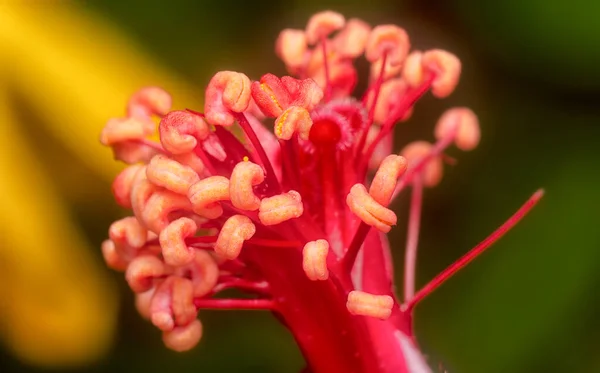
x=293, y=208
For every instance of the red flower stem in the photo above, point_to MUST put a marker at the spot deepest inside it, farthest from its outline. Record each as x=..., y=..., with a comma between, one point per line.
x=475, y=252
x=270, y=173
x=235, y=304
x=412, y=239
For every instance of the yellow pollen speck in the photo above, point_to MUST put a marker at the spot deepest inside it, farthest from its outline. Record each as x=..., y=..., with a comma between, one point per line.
x=245, y=159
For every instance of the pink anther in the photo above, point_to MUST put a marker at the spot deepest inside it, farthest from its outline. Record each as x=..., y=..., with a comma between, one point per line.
x=149, y=101
x=321, y=24
x=271, y=95
x=446, y=68
x=183, y=338
x=366, y=304
x=128, y=231
x=143, y=271
x=205, y=195
x=295, y=119
x=156, y=211
x=123, y=184
x=118, y=130
x=112, y=257
x=432, y=172
x=314, y=260
x=173, y=303
x=385, y=180
x=369, y=210
x=181, y=130
x=389, y=40
x=203, y=270
x=172, y=240
x=227, y=91
x=235, y=231
x=171, y=175
x=463, y=124
x=291, y=47
x=350, y=42
x=412, y=71
x=244, y=177
x=280, y=208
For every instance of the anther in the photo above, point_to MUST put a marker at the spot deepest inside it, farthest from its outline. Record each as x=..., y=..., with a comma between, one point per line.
x=123, y=183
x=173, y=303
x=244, y=177
x=149, y=101
x=291, y=48
x=412, y=71
x=321, y=24
x=235, y=231
x=128, y=231
x=227, y=91
x=385, y=180
x=141, y=191
x=446, y=68
x=280, y=208
x=369, y=210
x=155, y=214
x=142, y=303
x=118, y=130
x=390, y=70
x=467, y=133
x=390, y=93
x=433, y=171
x=112, y=257
x=314, y=260
x=205, y=195
x=387, y=40
x=366, y=304
x=170, y=174
x=271, y=95
x=142, y=271
x=131, y=152
x=181, y=130
x=183, y=338
x=203, y=271
x=295, y=119
x=350, y=42
x=172, y=240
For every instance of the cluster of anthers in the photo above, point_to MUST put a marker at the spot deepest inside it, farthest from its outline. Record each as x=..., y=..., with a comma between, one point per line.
x=208, y=203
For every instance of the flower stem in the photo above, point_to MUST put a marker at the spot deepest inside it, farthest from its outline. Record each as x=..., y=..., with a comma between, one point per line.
x=412, y=240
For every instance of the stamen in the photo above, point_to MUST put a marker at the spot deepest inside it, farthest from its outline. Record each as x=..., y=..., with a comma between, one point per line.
x=294, y=120
x=183, y=338
x=155, y=214
x=235, y=231
x=128, y=231
x=142, y=303
x=118, y=130
x=385, y=180
x=389, y=39
x=321, y=24
x=412, y=71
x=142, y=271
x=475, y=252
x=112, y=257
x=172, y=240
x=227, y=92
x=370, y=211
x=203, y=271
x=244, y=177
x=314, y=260
x=123, y=184
x=271, y=95
x=149, y=101
x=433, y=171
x=350, y=42
x=205, y=195
x=181, y=130
x=467, y=134
x=172, y=304
x=170, y=174
x=366, y=304
x=412, y=239
x=446, y=67
x=280, y=208
x=291, y=48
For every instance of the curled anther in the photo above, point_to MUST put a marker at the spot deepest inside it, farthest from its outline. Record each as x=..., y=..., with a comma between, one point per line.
x=113, y=257
x=143, y=271
x=183, y=338
x=128, y=231
x=205, y=195
x=385, y=180
x=155, y=213
x=350, y=42
x=235, y=231
x=143, y=301
x=291, y=48
x=149, y=101
x=227, y=91
x=123, y=184
x=390, y=94
x=314, y=260
x=366, y=304
x=280, y=208
x=180, y=131
x=412, y=70
x=119, y=130
x=369, y=210
x=389, y=70
x=170, y=174
x=173, y=303
x=321, y=24
x=203, y=271
x=389, y=40
x=244, y=177
x=295, y=119
x=172, y=240
x=462, y=123
x=433, y=171
x=446, y=68
x=271, y=95
x=141, y=191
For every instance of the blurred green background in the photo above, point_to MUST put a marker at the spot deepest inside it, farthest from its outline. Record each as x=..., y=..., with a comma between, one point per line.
x=530, y=71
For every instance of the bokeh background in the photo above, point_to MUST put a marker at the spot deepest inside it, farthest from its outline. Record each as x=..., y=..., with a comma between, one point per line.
x=530, y=72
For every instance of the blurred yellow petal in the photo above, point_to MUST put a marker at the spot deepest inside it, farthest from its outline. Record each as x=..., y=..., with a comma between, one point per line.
x=77, y=72
x=58, y=306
